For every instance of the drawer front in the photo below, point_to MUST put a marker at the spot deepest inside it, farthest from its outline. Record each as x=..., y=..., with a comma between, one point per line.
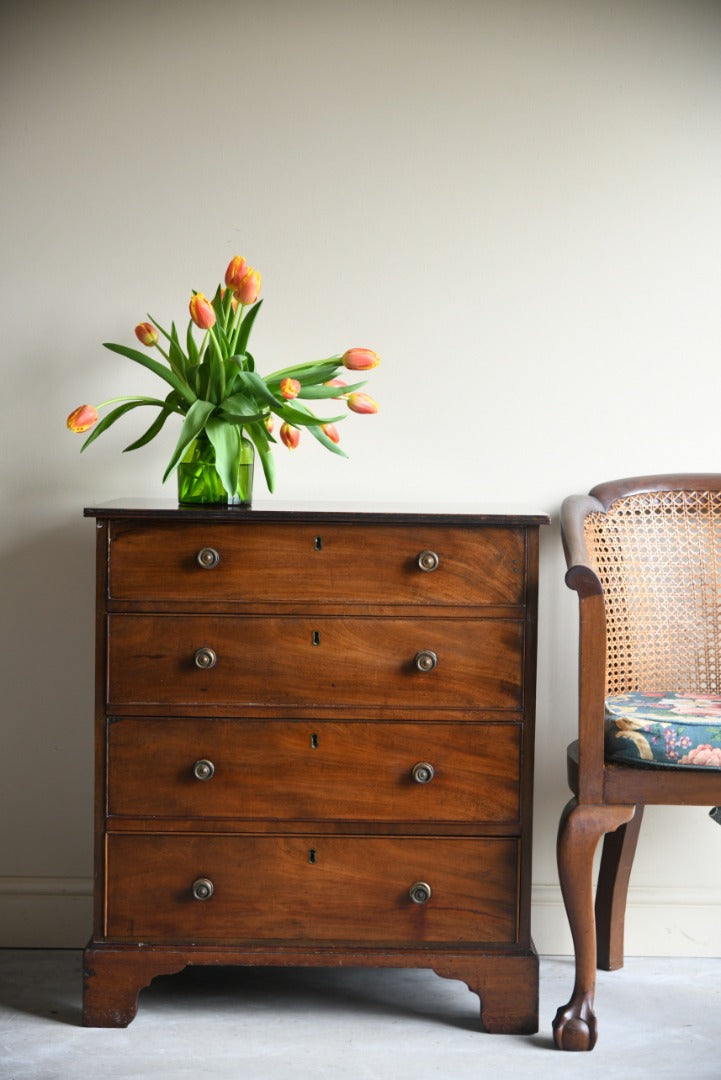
x=324, y=662
x=346, y=564
x=292, y=770
x=311, y=888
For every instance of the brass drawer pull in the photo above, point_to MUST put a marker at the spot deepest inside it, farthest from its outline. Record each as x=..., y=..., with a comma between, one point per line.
x=423, y=772
x=420, y=892
x=425, y=660
x=205, y=659
x=428, y=561
x=203, y=889
x=208, y=557
x=203, y=769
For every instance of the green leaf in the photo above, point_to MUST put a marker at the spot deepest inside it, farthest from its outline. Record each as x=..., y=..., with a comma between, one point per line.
x=240, y=403
x=191, y=344
x=321, y=391
x=195, y=420
x=242, y=337
x=176, y=356
x=314, y=371
x=152, y=431
x=115, y=414
x=322, y=438
x=226, y=443
x=152, y=365
x=258, y=433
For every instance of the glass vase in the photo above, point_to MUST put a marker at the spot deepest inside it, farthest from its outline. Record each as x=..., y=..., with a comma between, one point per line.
x=198, y=479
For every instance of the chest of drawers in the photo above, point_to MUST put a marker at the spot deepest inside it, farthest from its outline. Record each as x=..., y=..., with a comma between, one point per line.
x=314, y=746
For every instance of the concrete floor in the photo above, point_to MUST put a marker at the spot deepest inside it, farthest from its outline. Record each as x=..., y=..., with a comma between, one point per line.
x=657, y=1018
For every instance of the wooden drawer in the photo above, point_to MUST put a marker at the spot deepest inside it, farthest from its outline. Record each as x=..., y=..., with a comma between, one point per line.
x=326, y=662
x=323, y=771
x=317, y=563
x=311, y=888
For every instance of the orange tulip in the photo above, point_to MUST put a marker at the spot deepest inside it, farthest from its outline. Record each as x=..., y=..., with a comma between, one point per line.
x=83, y=418
x=360, y=359
x=289, y=436
x=331, y=431
x=237, y=269
x=289, y=388
x=269, y=423
x=362, y=403
x=146, y=333
x=201, y=311
x=248, y=288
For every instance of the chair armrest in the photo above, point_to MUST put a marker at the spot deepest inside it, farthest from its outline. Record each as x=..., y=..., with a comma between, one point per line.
x=580, y=575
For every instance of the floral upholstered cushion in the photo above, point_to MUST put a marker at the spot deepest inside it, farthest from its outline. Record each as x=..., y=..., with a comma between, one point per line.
x=667, y=729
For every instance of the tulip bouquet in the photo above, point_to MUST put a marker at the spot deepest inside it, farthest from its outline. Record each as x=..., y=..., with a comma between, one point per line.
x=214, y=386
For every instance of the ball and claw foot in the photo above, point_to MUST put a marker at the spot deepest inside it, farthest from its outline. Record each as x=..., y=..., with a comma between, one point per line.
x=574, y=1027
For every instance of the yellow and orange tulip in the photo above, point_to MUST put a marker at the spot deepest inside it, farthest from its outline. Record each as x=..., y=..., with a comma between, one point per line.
x=289, y=435
x=331, y=431
x=146, y=333
x=362, y=403
x=201, y=311
x=289, y=389
x=83, y=418
x=247, y=290
x=360, y=359
x=237, y=269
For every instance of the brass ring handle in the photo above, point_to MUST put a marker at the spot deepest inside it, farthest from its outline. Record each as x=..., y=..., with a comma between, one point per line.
x=420, y=892
x=425, y=660
x=203, y=889
x=428, y=561
x=208, y=557
x=203, y=769
x=423, y=772
x=205, y=659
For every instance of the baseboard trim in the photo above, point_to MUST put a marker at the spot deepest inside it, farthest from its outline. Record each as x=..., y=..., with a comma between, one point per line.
x=56, y=913
x=659, y=922
x=45, y=912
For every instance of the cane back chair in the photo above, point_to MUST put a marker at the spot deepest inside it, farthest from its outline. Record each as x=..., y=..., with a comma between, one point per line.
x=644, y=556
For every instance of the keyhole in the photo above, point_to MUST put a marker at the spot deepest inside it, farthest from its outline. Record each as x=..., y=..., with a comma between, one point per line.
x=318, y=543
x=316, y=637
x=311, y=855
x=314, y=741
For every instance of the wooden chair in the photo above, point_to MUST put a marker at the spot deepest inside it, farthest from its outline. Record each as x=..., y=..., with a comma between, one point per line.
x=644, y=556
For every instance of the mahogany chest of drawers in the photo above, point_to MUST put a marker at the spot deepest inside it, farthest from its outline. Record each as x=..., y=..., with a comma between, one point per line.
x=314, y=746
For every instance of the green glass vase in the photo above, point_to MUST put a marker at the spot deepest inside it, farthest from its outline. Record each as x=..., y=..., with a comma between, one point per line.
x=198, y=479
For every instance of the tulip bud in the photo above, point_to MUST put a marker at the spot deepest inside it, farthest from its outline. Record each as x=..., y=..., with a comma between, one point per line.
x=201, y=311
x=360, y=359
x=289, y=388
x=146, y=333
x=289, y=436
x=248, y=288
x=362, y=403
x=331, y=431
x=269, y=423
x=237, y=269
x=82, y=418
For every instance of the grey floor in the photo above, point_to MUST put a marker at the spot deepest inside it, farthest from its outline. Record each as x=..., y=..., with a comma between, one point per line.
x=657, y=1018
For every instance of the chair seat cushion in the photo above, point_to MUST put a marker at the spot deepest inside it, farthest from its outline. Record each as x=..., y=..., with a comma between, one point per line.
x=664, y=729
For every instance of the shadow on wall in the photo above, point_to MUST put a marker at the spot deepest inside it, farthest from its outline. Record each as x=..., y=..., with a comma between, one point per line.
x=47, y=586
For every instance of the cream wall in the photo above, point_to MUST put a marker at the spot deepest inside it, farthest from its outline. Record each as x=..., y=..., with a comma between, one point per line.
x=517, y=204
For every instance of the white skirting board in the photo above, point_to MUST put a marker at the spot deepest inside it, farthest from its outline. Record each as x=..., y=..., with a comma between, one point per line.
x=56, y=913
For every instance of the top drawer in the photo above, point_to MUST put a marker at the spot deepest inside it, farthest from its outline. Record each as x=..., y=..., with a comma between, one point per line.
x=323, y=563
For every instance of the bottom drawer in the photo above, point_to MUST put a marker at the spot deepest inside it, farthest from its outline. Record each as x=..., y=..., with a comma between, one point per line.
x=311, y=888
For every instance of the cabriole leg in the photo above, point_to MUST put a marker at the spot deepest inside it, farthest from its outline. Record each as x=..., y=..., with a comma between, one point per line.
x=580, y=829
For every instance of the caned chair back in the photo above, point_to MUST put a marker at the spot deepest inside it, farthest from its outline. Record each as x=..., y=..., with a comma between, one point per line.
x=657, y=555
